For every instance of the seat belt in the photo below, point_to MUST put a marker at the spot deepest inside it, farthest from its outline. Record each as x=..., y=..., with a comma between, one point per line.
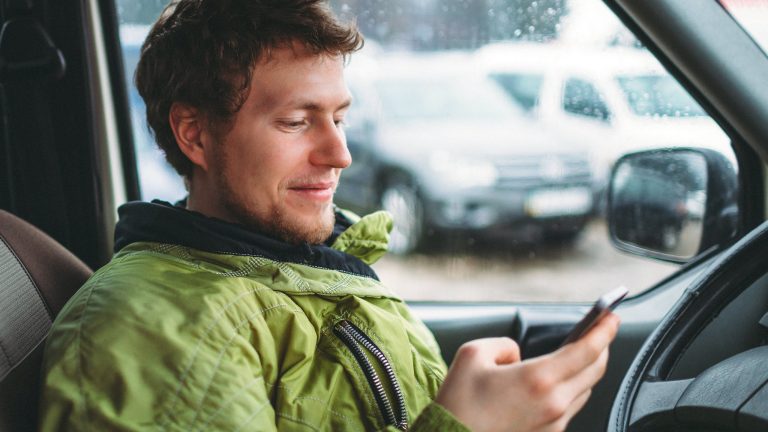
x=30, y=65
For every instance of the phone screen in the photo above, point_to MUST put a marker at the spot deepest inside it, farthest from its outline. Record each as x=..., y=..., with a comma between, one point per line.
x=606, y=303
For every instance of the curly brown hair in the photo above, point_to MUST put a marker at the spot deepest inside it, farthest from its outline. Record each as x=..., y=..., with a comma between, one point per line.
x=202, y=53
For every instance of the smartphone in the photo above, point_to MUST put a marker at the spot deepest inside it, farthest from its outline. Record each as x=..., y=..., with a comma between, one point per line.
x=606, y=303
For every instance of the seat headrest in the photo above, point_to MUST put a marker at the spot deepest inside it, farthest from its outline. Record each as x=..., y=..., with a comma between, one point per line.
x=37, y=277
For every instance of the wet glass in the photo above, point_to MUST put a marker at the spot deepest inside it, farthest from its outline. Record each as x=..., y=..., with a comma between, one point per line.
x=659, y=200
x=659, y=96
x=496, y=177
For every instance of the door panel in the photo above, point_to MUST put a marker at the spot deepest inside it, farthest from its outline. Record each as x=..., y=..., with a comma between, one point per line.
x=539, y=329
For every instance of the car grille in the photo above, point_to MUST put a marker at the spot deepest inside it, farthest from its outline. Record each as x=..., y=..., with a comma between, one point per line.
x=537, y=170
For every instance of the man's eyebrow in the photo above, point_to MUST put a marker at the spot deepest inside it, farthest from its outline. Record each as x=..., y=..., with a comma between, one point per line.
x=311, y=106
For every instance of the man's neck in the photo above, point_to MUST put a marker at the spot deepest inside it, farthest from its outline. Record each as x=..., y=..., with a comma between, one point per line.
x=206, y=202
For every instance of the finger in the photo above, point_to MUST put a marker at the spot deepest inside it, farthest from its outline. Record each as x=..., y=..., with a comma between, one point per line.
x=510, y=354
x=561, y=423
x=587, y=378
x=567, y=393
x=489, y=351
x=574, y=357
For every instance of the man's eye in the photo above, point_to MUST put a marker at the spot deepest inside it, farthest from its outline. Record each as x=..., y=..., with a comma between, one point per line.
x=340, y=123
x=292, y=124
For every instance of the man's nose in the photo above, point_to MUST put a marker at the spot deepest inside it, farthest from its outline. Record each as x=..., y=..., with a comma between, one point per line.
x=331, y=147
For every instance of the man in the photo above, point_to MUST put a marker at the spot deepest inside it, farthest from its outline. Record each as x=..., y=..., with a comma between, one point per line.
x=254, y=307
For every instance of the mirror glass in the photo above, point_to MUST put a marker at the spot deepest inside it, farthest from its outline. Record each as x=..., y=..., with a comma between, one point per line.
x=658, y=200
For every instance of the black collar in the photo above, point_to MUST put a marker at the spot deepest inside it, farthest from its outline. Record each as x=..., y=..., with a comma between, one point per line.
x=163, y=222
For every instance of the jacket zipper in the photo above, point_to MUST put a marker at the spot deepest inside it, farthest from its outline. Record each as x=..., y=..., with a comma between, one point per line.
x=354, y=338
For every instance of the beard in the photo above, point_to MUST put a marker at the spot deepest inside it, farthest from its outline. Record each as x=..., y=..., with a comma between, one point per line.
x=276, y=220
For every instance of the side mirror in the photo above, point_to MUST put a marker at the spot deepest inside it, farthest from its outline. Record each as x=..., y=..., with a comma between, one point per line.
x=672, y=204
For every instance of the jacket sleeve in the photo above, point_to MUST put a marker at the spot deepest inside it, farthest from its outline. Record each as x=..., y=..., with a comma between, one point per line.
x=435, y=418
x=120, y=394
x=124, y=372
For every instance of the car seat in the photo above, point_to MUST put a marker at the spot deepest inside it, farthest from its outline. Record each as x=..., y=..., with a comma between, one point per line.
x=37, y=277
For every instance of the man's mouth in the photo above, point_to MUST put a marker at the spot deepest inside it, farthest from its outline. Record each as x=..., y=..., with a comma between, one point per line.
x=319, y=191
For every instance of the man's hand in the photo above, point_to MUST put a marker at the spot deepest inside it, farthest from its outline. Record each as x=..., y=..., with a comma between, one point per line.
x=488, y=388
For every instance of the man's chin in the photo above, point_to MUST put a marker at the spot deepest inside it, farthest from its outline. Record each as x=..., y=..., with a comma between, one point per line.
x=305, y=234
x=292, y=225
x=313, y=230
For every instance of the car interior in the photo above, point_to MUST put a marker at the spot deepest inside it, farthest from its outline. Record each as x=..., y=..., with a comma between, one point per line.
x=38, y=277
x=691, y=352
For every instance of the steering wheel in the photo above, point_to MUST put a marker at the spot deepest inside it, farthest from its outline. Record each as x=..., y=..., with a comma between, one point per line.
x=731, y=395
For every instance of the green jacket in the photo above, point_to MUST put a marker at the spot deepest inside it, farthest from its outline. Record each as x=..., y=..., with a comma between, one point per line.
x=201, y=325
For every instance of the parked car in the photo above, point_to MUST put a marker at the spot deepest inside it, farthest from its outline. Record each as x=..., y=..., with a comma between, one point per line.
x=444, y=150
x=617, y=99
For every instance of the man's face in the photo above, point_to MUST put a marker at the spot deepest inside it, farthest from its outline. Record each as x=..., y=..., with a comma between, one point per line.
x=278, y=166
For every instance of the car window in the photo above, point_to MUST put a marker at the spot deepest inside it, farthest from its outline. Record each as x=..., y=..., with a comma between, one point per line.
x=658, y=95
x=524, y=88
x=490, y=204
x=582, y=98
x=157, y=179
x=426, y=98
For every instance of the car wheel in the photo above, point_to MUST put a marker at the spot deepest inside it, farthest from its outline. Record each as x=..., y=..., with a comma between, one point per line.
x=401, y=200
x=563, y=236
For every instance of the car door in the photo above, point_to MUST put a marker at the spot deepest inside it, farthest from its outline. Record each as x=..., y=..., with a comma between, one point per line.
x=509, y=278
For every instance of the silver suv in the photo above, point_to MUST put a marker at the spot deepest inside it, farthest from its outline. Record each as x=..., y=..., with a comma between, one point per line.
x=447, y=152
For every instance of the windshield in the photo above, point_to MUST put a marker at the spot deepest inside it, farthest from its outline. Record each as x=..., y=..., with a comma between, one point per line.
x=658, y=96
x=444, y=98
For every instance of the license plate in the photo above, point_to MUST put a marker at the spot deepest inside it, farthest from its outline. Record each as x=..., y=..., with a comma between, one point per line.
x=558, y=202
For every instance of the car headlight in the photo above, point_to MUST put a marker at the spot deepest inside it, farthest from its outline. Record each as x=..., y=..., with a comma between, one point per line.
x=462, y=172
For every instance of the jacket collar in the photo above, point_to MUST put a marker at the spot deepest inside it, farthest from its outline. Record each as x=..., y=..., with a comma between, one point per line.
x=346, y=250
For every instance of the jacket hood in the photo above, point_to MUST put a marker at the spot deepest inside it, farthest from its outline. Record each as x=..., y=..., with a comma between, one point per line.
x=355, y=243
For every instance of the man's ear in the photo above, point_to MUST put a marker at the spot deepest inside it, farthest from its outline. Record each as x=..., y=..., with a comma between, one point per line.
x=188, y=126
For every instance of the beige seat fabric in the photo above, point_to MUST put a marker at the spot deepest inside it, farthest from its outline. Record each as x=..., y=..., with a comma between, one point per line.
x=37, y=277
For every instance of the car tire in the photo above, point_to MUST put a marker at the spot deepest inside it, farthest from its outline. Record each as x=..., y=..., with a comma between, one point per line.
x=563, y=237
x=400, y=198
